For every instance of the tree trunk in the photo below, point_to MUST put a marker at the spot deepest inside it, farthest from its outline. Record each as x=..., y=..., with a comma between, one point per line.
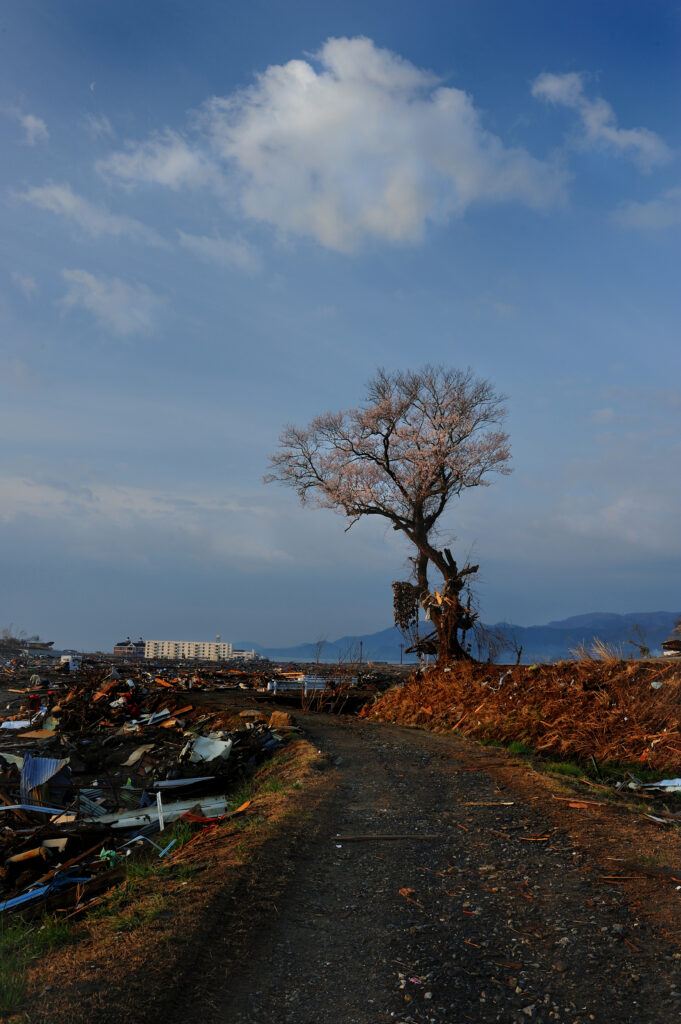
x=450, y=616
x=454, y=617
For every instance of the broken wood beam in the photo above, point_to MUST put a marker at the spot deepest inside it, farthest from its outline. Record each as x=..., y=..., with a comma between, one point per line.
x=378, y=837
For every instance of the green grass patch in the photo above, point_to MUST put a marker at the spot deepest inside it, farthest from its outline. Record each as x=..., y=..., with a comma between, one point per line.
x=20, y=943
x=257, y=821
x=139, y=915
x=281, y=758
x=566, y=768
x=245, y=791
x=517, y=747
x=656, y=860
x=272, y=786
x=13, y=975
x=181, y=832
x=187, y=871
x=53, y=933
x=140, y=870
x=146, y=863
x=614, y=770
x=13, y=985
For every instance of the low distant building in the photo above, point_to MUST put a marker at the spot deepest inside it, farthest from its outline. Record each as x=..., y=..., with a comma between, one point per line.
x=29, y=644
x=240, y=655
x=130, y=649
x=188, y=650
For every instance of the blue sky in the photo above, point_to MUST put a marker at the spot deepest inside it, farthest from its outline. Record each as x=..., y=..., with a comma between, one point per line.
x=220, y=218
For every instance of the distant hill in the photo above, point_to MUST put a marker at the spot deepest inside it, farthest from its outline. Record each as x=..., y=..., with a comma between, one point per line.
x=551, y=642
x=381, y=646
x=555, y=640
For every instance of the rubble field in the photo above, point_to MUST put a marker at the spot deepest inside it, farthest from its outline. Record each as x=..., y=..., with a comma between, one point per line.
x=623, y=712
x=169, y=849
x=90, y=771
x=128, y=958
x=115, y=787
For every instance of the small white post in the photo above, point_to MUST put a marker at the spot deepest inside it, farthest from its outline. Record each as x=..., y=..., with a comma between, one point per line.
x=159, y=804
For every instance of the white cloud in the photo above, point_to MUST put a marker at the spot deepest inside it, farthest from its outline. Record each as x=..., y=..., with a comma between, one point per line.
x=639, y=520
x=226, y=252
x=166, y=159
x=599, y=123
x=95, y=220
x=120, y=308
x=240, y=531
x=98, y=126
x=26, y=285
x=355, y=143
x=35, y=129
x=662, y=212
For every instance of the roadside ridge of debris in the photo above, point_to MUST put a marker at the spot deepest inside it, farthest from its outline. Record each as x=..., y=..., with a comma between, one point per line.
x=612, y=711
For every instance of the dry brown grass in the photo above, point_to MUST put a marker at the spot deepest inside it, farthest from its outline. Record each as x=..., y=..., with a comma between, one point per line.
x=606, y=708
x=598, y=651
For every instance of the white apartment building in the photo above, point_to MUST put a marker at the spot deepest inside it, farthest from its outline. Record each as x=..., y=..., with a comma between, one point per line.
x=188, y=650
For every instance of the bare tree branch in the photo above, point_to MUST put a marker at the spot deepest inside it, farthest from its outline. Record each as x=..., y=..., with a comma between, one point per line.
x=421, y=438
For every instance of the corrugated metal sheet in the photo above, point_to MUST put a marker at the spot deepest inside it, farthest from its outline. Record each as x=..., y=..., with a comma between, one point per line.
x=36, y=771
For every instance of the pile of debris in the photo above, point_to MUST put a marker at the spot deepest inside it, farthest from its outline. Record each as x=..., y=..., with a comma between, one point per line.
x=671, y=648
x=613, y=711
x=93, y=770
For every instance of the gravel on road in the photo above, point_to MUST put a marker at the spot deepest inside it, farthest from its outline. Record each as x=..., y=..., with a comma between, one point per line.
x=483, y=909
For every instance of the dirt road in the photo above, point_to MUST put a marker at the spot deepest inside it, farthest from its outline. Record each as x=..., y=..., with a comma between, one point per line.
x=484, y=911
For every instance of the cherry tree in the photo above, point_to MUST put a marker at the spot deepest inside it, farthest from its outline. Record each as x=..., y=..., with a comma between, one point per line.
x=419, y=439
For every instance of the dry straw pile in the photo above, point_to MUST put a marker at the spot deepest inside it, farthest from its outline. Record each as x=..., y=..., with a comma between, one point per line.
x=621, y=711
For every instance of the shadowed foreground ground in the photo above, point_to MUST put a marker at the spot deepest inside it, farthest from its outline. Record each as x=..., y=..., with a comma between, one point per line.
x=488, y=912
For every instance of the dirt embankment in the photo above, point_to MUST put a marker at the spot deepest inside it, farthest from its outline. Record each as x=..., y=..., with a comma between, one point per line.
x=615, y=711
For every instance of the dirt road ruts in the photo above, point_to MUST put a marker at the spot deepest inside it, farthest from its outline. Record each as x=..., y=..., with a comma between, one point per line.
x=485, y=913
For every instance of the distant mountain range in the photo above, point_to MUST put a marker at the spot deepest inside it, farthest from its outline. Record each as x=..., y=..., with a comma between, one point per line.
x=551, y=642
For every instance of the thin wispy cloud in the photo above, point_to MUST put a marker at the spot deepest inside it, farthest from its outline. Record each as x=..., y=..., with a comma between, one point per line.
x=34, y=128
x=225, y=252
x=95, y=220
x=631, y=518
x=210, y=525
x=504, y=309
x=20, y=375
x=118, y=307
x=25, y=284
x=98, y=126
x=662, y=212
x=355, y=143
x=604, y=415
x=598, y=121
x=165, y=159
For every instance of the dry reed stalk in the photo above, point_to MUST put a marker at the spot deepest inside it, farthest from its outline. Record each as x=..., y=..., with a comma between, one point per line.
x=572, y=709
